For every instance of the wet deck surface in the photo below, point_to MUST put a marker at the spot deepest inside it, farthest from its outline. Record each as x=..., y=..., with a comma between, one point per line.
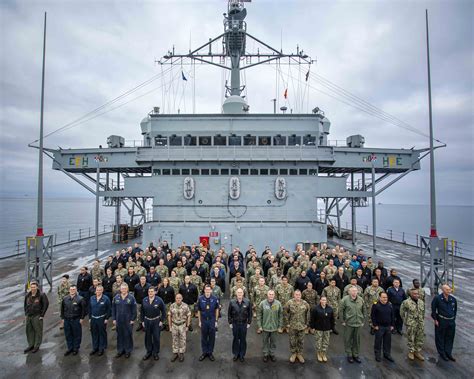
x=49, y=362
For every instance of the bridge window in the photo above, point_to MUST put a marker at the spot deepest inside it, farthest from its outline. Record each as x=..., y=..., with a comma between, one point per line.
x=235, y=140
x=313, y=171
x=220, y=140
x=264, y=140
x=189, y=140
x=234, y=171
x=224, y=171
x=194, y=171
x=244, y=171
x=303, y=171
x=309, y=140
x=161, y=141
x=264, y=171
x=176, y=140
x=283, y=171
x=166, y=171
x=293, y=171
x=175, y=171
x=273, y=171
x=279, y=140
x=156, y=171
x=254, y=171
x=185, y=171
x=294, y=140
x=250, y=140
x=204, y=171
x=214, y=171
x=205, y=141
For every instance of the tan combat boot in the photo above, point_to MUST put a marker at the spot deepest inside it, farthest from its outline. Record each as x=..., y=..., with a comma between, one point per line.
x=300, y=358
x=419, y=356
x=320, y=357
x=411, y=356
x=293, y=358
x=325, y=358
x=280, y=330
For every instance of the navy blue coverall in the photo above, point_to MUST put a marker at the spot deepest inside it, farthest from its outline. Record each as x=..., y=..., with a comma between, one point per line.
x=152, y=313
x=100, y=311
x=207, y=307
x=124, y=311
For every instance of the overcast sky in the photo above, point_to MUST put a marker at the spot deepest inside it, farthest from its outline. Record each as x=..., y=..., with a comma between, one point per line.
x=97, y=50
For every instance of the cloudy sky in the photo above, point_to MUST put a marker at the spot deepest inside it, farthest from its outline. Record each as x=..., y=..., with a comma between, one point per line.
x=97, y=50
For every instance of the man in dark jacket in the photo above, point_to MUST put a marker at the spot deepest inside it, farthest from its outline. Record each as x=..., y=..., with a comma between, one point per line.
x=321, y=283
x=383, y=322
x=239, y=317
x=322, y=321
x=73, y=311
x=190, y=294
x=341, y=279
x=313, y=273
x=396, y=295
x=84, y=283
x=302, y=281
x=131, y=279
x=140, y=291
x=35, y=306
x=393, y=275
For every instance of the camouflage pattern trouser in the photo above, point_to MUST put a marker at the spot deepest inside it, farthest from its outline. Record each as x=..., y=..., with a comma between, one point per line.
x=415, y=337
x=369, y=312
x=335, y=309
x=165, y=323
x=352, y=341
x=178, y=335
x=296, y=340
x=322, y=340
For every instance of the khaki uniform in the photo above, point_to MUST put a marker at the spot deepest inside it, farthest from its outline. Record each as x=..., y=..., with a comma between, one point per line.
x=310, y=296
x=413, y=315
x=179, y=316
x=297, y=315
x=371, y=297
x=162, y=271
x=333, y=295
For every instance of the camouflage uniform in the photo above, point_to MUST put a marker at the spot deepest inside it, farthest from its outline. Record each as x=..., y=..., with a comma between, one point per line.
x=260, y=294
x=121, y=271
x=330, y=271
x=333, y=295
x=253, y=282
x=283, y=294
x=274, y=281
x=180, y=272
x=371, y=297
x=115, y=289
x=283, y=262
x=130, y=264
x=413, y=315
x=140, y=270
x=97, y=273
x=175, y=282
x=349, y=271
x=293, y=274
x=217, y=292
x=304, y=262
x=310, y=296
x=197, y=281
x=179, y=315
x=63, y=291
x=321, y=262
x=297, y=315
x=162, y=271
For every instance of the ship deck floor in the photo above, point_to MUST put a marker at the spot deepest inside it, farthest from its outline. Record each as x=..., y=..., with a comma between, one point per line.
x=49, y=362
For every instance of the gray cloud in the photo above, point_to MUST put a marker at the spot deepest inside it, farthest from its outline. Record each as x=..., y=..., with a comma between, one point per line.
x=376, y=50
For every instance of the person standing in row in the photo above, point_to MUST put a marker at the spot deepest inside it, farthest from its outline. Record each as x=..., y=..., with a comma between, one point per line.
x=179, y=320
x=352, y=312
x=239, y=317
x=412, y=312
x=208, y=313
x=322, y=321
x=124, y=313
x=36, y=304
x=153, y=314
x=297, y=311
x=100, y=311
x=73, y=311
x=396, y=296
x=63, y=291
x=269, y=320
x=84, y=283
x=443, y=312
x=383, y=322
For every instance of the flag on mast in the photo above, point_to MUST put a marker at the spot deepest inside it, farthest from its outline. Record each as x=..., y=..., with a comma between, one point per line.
x=182, y=75
x=307, y=75
x=285, y=95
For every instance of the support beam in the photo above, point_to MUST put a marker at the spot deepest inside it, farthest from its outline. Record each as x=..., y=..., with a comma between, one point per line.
x=97, y=212
x=374, y=221
x=353, y=212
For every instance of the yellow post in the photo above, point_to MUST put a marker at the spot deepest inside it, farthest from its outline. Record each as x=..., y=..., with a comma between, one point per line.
x=453, y=248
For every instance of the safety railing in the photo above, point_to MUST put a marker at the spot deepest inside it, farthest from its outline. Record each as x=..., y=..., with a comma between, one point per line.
x=17, y=248
x=460, y=249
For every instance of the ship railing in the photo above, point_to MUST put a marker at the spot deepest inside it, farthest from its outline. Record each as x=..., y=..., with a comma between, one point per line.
x=17, y=248
x=134, y=143
x=337, y=143
x=460, y=249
